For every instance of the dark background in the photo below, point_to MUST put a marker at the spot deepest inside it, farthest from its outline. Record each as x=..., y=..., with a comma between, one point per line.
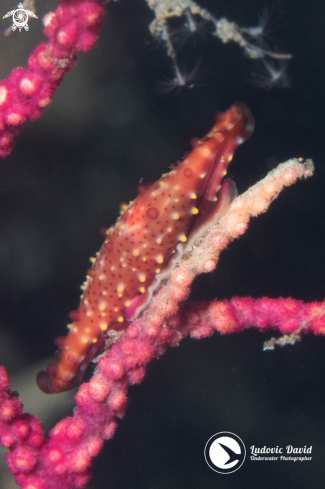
x=108, y=126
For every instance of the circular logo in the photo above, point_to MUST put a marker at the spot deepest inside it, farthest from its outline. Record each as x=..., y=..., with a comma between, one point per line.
x=20, y=18
x=224, y=452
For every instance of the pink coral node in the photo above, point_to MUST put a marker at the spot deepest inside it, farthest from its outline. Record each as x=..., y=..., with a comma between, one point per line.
x=98, y=388
x=4, y=379
x=21, y=460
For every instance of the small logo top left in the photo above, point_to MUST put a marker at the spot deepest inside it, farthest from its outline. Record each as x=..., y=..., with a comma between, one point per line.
x=20, y=17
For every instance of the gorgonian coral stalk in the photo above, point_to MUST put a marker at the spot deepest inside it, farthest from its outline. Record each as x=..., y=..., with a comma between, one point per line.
x=73, y=27
x=63, y=461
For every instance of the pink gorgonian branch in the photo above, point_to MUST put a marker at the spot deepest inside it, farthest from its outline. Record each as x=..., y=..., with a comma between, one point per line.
x=72, y=28
x=63, y=461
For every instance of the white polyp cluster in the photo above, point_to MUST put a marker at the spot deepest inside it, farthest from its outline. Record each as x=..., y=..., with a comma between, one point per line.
x=3, y=94
x=47, y=19
x=27, y=86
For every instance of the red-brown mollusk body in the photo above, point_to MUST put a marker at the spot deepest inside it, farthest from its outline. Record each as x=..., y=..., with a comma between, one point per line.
x=139, y=249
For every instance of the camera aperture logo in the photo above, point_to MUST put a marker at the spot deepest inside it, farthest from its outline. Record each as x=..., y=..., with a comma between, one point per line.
x=20, y=17
x=281, y=454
